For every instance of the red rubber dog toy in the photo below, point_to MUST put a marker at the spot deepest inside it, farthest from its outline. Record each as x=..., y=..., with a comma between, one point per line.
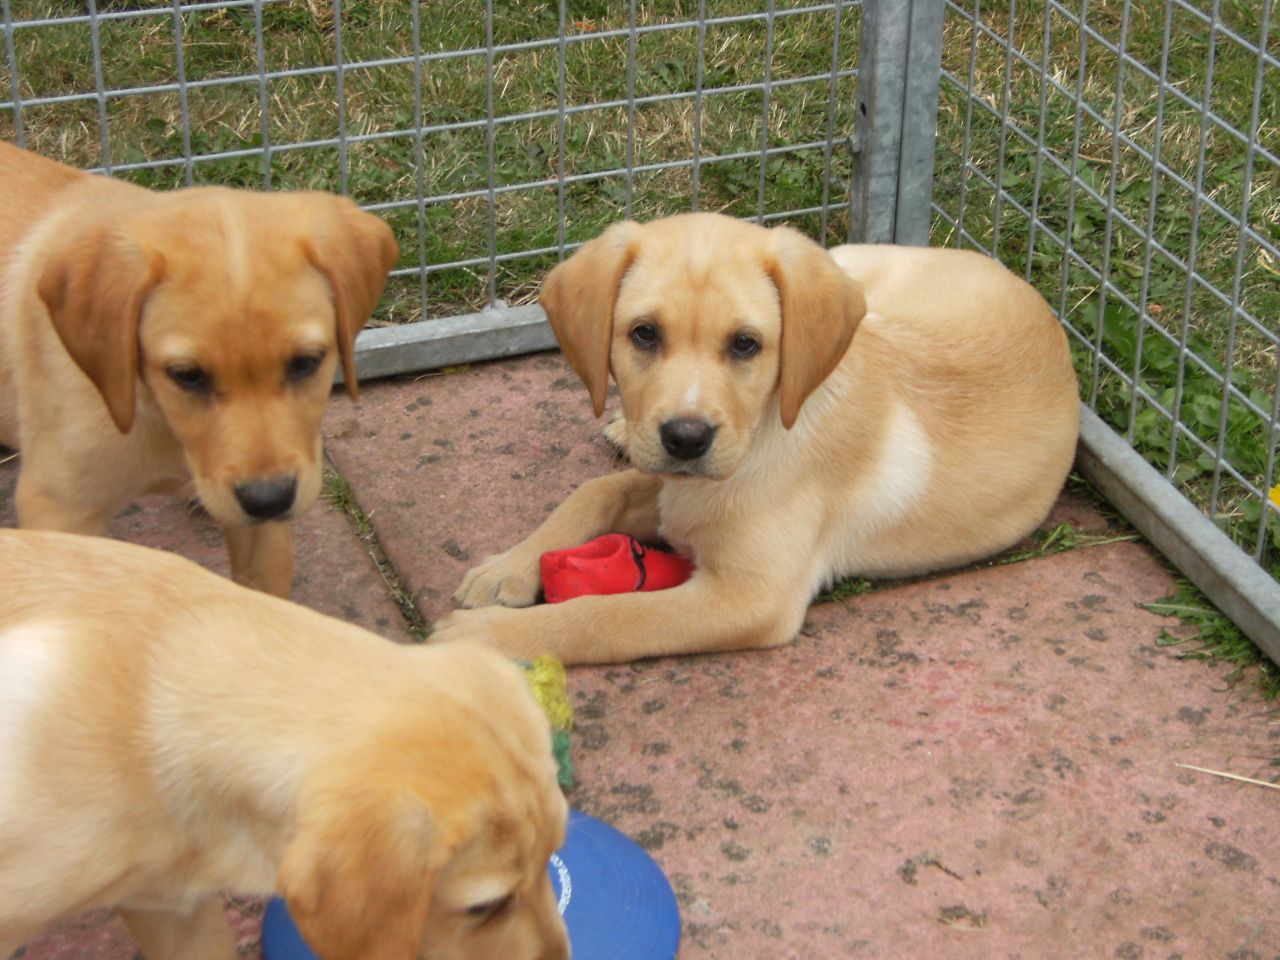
x=614, y=563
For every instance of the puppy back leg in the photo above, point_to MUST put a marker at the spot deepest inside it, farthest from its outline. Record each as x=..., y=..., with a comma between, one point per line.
x=262, y=557
x=625, y=502
x=202, y=934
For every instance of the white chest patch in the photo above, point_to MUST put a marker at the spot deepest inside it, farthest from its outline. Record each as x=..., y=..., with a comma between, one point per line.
x=904, y=469
x=891, y=490
x=29, y=660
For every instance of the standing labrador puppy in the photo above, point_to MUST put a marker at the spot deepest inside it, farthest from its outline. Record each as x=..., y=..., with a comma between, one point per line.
x=775, y=447
x=179, y=342
x=166, y=735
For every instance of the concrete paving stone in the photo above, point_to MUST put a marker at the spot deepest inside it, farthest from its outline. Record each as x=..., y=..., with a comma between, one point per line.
x=101, y=935
x=450, y=468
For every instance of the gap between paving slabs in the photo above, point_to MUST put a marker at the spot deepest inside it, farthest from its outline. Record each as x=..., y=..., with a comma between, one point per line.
x=340, y=496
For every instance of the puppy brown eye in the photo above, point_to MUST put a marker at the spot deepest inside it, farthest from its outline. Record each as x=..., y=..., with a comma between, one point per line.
x=645, y=336
x=303, y=366
x=190, y=378
x=490, y=908
x=744, y=346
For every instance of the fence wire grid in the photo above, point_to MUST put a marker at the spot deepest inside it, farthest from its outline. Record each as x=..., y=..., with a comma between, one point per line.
x=492, y=136
x=1125, y=158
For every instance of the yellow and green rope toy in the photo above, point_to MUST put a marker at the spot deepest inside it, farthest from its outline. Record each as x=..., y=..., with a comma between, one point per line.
x=547, y=679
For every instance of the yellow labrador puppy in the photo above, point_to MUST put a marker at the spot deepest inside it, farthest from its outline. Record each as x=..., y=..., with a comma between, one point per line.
x=176, y=342
x=775, y=447
x=166, y=735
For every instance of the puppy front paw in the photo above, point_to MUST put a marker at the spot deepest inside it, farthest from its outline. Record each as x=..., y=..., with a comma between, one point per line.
x=506, y=579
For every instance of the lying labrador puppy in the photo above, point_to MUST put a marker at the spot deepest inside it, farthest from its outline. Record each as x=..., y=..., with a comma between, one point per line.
x=772, y=445
x=166, y=735
x=176, y=342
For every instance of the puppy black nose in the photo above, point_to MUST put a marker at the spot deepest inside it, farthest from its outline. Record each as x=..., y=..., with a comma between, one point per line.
x=267, y=499
x=687, y=438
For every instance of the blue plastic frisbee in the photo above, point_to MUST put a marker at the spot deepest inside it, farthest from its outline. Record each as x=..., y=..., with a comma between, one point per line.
x=615, y=900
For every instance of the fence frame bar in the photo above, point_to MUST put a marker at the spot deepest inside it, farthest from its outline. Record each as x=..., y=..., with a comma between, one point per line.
x=899, y=72
x=1191, y=541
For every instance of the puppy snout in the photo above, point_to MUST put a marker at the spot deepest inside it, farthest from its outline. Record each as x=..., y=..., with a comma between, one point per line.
x=687, y=438
x=267, y=499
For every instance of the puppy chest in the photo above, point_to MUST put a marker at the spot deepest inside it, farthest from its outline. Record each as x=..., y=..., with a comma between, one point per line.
x=695, y=516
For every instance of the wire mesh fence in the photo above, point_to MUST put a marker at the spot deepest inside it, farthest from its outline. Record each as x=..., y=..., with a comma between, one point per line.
x=1124, y=157
x=492, y=136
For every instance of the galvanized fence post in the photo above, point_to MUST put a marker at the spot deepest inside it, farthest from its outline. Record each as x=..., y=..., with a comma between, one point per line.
x=899, y=68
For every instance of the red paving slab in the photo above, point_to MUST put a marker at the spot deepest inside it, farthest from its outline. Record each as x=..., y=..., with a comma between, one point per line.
x=101, y=935
x=977, y=765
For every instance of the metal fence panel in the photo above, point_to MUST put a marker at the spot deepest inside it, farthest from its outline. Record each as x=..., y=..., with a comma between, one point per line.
x=897, y=116
x=1123, y=156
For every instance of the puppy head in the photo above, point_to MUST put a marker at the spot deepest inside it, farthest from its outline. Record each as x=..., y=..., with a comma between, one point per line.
x=704, y=321
x=232, y=308
x=431, y=840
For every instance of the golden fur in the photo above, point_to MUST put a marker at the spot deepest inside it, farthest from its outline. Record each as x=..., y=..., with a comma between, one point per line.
x=166, y=735
x=940, y=432
x=110, y=295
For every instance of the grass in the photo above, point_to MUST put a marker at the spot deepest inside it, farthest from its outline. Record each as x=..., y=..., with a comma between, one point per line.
x=1214, y=638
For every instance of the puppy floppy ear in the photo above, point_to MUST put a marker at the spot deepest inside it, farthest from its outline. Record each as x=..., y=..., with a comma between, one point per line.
x=821, y=307
x=579, y=297
x=359, y=873
x=355, y=251
x=94, y=289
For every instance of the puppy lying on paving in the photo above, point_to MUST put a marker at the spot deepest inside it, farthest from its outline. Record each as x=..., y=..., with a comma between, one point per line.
x=177, y=342
x=166, y=735
x=774, y=446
